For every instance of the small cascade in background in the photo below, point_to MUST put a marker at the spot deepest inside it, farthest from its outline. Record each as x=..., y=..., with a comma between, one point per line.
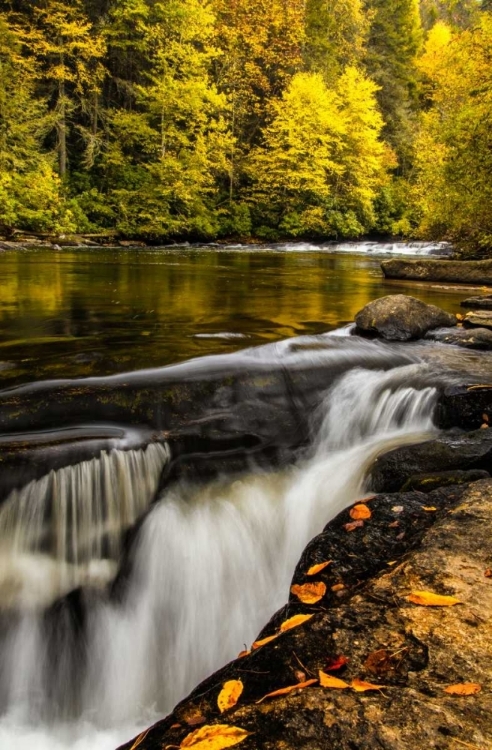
x=66, y=529
x=210, y=565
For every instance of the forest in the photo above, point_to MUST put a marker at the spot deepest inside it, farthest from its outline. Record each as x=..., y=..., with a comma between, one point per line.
x=166, y=120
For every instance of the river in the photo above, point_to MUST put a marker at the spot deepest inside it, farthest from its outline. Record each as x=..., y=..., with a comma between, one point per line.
x=210, y=563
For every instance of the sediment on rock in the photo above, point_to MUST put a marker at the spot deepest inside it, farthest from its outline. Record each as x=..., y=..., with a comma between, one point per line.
x=372, y=632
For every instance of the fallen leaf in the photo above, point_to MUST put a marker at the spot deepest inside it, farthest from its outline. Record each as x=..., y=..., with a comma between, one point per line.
x=229, y=695
x=328, y=681
x=380, y=662
x=286, y=690
x=354, y=525
x=193, y=721
x=485, y=417
x=394, y=525
x=214, y=737
x=429, y=508
x=293, y=622
x=398, y=509
x=360, y=511
x=140, y=739
x=338, y=587
x=300, y=676
x=244, y=653
x=429, y=599
x=361, y=686
x=318, y=568
x=484, y=426
x=464, y=688
x=309, y=593
x=488, y=573
x=337, y=663
x=258, y=644
x=174, y=726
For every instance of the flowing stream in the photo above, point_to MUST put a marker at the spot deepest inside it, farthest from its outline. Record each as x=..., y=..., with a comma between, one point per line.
x=210, y=565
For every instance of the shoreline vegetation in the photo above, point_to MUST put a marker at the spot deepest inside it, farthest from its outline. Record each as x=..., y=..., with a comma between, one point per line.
x=205, y=121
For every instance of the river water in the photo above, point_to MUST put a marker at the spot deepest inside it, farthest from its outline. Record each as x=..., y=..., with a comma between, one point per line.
x=211, y=564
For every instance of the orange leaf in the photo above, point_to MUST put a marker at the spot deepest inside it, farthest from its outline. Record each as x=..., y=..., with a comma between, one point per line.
x=140, y=739
x=361, y=686
x=318, y=568
x=353, y=525
x=429, y=508
x=337, y=663
x=465, y=688
x=241, y=654
x=428, y=599
x=258, y=644
x=214, y=737
x=286, y=690
x=309, y=593
x=293, y=622
x=327, y=681
x=488, y=573
x=338, y=587
x=229, y=695
x=360, y=511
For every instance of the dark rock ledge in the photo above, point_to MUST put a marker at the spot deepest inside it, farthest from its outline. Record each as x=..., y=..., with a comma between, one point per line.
x=413, y=651
x=457, y=271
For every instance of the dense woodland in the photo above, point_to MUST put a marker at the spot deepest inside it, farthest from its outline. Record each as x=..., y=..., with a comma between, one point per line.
x=200, y=119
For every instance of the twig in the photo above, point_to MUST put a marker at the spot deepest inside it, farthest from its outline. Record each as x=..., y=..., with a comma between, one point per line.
x=302, y=665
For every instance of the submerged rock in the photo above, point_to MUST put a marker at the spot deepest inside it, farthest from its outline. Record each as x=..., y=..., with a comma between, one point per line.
x=477, y=338
x=409, y=654
x=479, y=318
x=401, y=318
x=458, y=271
x=483, y=301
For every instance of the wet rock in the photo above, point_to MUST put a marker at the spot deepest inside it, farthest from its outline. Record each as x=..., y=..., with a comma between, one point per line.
x=479, y=318
x=477, y=338
x=401, y=318
x=465, y=406
x=483, y=302
x=460, y=271
x=456, y=450
x=412, y=652
x=429, y=482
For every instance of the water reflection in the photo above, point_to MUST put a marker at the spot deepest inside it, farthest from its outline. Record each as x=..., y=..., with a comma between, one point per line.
x=81, y=312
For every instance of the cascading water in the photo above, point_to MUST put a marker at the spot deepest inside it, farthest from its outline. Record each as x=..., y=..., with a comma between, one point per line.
x=209, y=567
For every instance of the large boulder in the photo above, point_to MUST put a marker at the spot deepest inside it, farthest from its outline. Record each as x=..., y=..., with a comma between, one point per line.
x=458, y=271
x=369, y=630
x=478, y=318
x=401, y=318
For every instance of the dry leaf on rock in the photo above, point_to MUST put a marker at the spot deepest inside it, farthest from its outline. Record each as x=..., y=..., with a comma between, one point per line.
x=360, y=511
x=214, y=737
x=353, y=525
x=464, y=688
x=338, y=587
x=488, y=573
x=309, y=593
x=293, y=622
x=429, y=508
x=244, y=653
x=328, y=681
x=429, y=599
x=229, y=695
x=361, y=686
x=336, y=663
x=263, y=641
x=318, y=568
x=289, y=689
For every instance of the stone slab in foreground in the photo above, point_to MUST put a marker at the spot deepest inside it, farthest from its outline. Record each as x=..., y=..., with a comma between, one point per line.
x=459, y=271
x=415, y=652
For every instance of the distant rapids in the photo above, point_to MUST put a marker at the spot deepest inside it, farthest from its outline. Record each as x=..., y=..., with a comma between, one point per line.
x=209, y=566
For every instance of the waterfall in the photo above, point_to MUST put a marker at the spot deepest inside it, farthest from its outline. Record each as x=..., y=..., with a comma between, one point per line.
x=66, y=529
x=211, y=564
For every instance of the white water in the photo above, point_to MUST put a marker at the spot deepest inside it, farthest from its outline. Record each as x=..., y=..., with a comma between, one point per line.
x=211, y=566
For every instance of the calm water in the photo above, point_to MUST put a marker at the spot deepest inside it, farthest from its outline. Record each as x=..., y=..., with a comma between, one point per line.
x=79, y=312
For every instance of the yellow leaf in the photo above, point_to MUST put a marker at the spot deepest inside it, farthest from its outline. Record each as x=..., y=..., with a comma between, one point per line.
x=318, y=568
x=361, y=686
x=293, y=622
x=464, y=688
x=258, y=644
x=360, y=512
x=428, y=599
x=286, y=690
x=309, y=593
x=338, y=587
x=327, y=681
x=429, y=508
x=241, y=654
x=214, y=737
x=229, y=695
